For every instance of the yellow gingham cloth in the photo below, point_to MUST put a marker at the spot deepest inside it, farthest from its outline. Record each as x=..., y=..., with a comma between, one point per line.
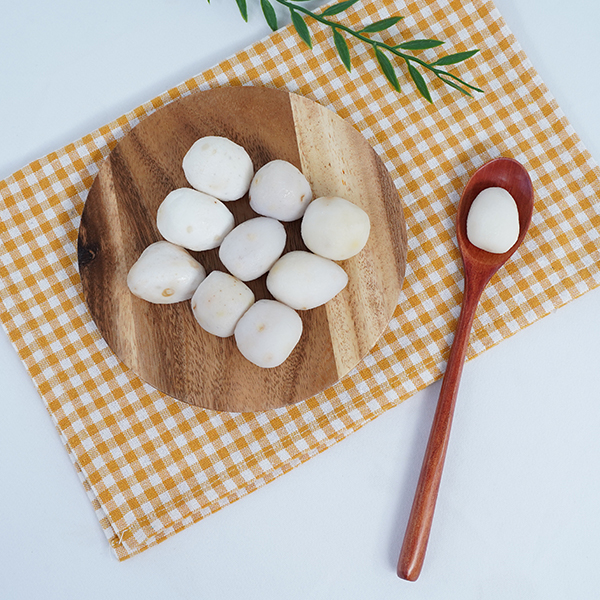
x=152, y=465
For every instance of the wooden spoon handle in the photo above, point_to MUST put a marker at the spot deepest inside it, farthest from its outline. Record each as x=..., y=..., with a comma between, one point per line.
x=421, y=515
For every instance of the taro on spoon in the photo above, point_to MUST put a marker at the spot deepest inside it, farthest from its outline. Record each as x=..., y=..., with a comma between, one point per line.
x=479, y=267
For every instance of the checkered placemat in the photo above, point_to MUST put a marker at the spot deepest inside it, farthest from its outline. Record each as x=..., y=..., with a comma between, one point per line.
x=152, y=465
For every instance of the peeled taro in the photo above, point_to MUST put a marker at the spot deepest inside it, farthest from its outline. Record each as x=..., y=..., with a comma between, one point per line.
x=267, y=333
x=252, y=248
x=279, y=190
x=217, y=166
x=335, y=228
x=219, y=302
x=193, y=219
x=303, y=280
x=165, y=274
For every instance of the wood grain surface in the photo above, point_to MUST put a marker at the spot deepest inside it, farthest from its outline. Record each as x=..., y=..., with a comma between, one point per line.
x=163, y=344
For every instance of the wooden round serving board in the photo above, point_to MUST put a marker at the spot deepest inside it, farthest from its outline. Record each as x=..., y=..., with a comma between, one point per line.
x=163, y=344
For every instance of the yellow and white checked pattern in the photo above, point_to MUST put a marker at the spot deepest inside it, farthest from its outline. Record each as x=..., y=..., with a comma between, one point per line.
x=152, y=465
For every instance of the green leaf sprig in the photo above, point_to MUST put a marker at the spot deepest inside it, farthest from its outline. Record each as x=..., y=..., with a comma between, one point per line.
x=341, y=32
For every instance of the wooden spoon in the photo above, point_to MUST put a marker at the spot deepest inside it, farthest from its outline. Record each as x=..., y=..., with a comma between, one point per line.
x=479, y=266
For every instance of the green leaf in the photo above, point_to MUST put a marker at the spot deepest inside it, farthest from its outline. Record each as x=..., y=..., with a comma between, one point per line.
x=342, y=48
x=243, y=9
x=419, y=44
x=301, y=28
x=452, y=59
x=338, y=8
x=381, y=25
x=387, y=69
x=419, y=82
x=455, y=78
x=269, y=12
x=455, y=86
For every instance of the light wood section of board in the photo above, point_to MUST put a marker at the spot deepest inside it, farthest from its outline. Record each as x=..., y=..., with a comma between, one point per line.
x=338, y=162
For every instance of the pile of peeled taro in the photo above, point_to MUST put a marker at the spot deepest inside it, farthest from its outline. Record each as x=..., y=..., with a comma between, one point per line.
x=197, y=219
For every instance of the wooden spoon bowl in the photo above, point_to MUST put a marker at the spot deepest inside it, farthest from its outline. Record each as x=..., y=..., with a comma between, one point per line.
x=501, y=172
x=479, y=267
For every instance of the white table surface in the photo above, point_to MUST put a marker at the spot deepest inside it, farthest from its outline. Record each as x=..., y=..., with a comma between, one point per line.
x=519, y=511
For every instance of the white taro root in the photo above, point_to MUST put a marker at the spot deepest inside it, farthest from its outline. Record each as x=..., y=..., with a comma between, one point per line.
x=193, y=220
x=252, y=248
x=219, y=302
x=165, y=274
x=335, y=228
x=279, y=190
x=267, y=333
x=493, y=221
x=219, y=167
x=303, y=280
